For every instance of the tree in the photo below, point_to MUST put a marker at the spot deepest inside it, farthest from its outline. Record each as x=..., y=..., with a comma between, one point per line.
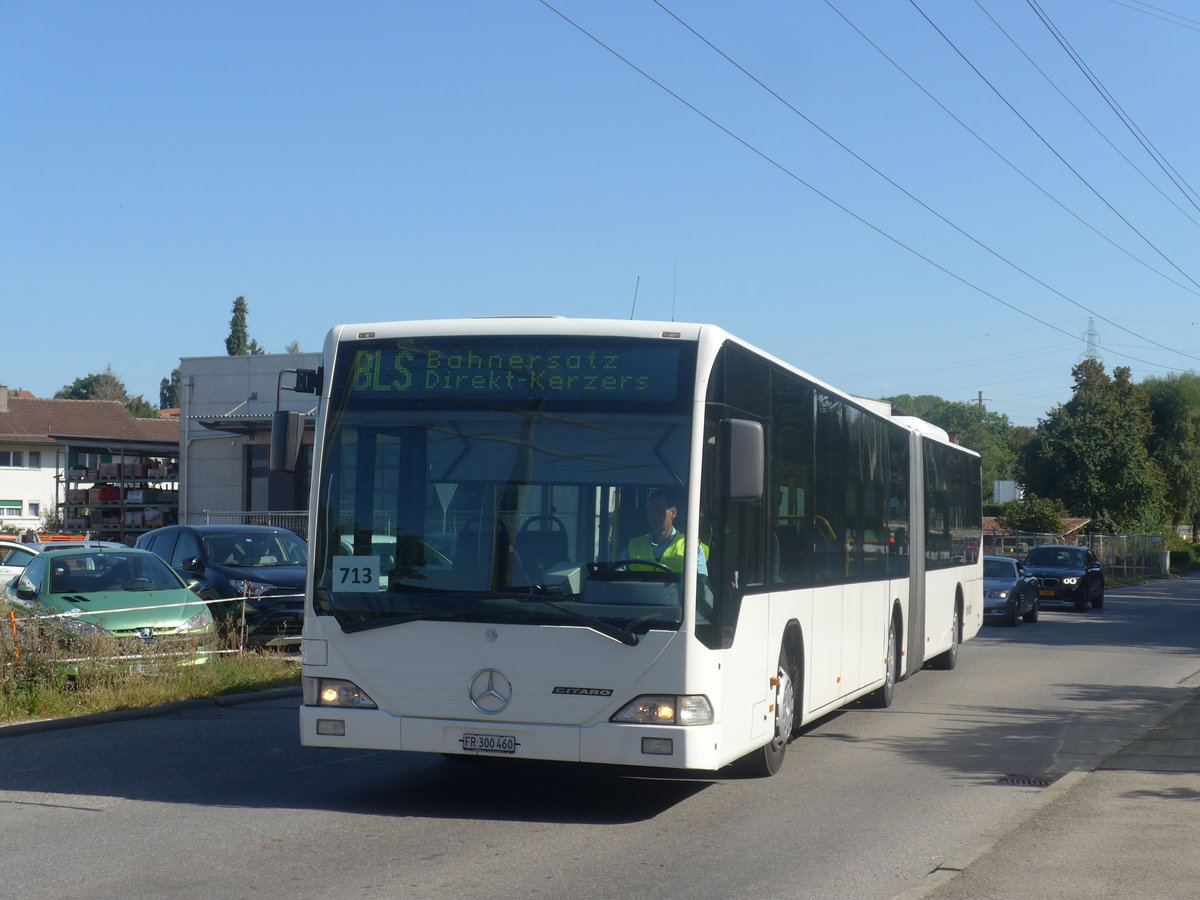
x=1033, y=514
x=1175, y=443
x=293, y=347
x=96, y=386
x=107, y=385
x=238, y=342
x=141, y=407
x=1092, y=453
x=168, y=391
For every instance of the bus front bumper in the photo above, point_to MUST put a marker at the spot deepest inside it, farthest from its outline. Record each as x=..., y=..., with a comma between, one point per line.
x=675, y=747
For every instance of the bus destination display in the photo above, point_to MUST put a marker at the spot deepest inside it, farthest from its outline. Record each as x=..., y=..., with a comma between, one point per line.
x=529, y=369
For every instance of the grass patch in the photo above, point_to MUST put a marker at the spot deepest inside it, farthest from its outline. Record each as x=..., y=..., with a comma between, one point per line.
x=44, y=678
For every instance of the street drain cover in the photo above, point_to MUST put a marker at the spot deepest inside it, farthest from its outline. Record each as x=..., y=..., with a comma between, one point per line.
x=1040, y=781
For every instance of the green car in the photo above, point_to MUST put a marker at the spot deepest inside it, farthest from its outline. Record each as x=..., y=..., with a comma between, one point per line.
x=93, y=592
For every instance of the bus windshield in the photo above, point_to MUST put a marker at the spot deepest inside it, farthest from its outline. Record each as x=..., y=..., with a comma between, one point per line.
x=501, y=480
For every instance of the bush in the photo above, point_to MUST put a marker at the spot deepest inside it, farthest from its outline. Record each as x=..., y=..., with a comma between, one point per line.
x=1185, y=559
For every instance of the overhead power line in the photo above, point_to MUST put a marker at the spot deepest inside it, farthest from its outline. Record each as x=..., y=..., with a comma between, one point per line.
x=725, y=56
x=1140, y=136
x=1082, y=115
x=1173, y=18
x=1078, y=218
x=788, y=172
x=1050, y=146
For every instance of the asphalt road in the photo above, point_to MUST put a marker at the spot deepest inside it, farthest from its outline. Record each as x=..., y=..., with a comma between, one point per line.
x=223, y=802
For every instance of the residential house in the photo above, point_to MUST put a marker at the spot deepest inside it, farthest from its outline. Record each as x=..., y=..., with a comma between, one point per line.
x=42, y=439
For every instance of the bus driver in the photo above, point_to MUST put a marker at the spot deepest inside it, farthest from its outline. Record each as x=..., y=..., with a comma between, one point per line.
x=664, y=544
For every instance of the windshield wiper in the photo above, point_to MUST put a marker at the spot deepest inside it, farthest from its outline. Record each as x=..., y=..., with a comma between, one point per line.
x=384, y=622
x=599, y=625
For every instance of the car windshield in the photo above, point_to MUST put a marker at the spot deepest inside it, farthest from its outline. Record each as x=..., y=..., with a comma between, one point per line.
x=262, y=549
x=80, y=573
x=1055, y=557
x=999, y=568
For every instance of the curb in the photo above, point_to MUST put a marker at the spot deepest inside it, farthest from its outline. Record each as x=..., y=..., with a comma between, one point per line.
x=125, y=715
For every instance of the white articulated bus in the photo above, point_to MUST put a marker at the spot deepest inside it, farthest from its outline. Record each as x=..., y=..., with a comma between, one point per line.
x=481, y=582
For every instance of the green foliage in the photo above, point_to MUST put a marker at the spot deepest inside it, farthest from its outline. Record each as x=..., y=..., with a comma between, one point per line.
x=1091, y=452
x=142, y=408
x=168, y=391
x=96, y=386
x=238, y=342
x=107, y=385
x=1033, y=514
x=1175, y=442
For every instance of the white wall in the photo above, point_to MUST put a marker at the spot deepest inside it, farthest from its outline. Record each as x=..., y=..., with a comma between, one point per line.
x=211, y=463
x=30, y=485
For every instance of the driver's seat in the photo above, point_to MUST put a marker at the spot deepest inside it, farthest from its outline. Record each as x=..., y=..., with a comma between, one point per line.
x=540, y=548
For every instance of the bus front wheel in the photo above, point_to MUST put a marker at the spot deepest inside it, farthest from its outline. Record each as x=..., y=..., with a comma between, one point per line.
x=768, y=759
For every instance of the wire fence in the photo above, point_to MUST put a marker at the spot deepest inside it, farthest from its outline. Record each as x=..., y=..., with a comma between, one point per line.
x=16, y=626
x=1121, y=555
x=293, y=519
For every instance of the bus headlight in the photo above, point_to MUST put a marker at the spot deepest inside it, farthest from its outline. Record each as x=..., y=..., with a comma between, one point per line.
x=336, y=692
x=666, y=709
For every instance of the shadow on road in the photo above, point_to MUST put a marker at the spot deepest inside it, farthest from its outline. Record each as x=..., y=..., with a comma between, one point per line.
x=249, y=756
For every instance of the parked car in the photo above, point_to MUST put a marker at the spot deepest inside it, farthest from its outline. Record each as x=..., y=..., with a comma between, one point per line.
x=52, y=546
x=261, y=563
x=1010, y=593
x=1067, y=575
x=123, y=593
x=14, y=557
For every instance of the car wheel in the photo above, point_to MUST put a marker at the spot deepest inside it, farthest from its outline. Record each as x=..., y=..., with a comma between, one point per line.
x=1013, y=619
x=1032, y=615
x=1098, y=600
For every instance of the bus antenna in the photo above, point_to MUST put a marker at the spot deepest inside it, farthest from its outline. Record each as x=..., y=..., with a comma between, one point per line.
x=635, y=290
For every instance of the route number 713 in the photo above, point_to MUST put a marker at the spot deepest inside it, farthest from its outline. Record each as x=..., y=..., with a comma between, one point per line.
x=356, y=573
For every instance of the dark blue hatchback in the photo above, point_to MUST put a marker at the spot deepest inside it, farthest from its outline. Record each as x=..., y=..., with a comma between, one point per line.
x=262, y=563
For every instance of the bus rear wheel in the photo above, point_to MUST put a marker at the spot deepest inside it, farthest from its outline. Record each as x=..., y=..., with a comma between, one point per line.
x=767, y=760
x=881, y=697
x=949, y=659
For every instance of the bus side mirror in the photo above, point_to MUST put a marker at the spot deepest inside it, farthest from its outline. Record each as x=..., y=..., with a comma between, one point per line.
x=287, y=428
x=745, y=459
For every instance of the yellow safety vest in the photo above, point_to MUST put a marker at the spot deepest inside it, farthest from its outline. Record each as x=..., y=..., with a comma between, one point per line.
x=672, y=554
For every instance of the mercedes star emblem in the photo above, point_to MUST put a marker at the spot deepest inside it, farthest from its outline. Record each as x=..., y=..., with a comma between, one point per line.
x=490, y=691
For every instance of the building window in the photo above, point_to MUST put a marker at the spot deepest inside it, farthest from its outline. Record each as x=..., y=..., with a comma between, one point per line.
x=11, y=458
x=10, y=508
x=35, y=510
x=35, y=459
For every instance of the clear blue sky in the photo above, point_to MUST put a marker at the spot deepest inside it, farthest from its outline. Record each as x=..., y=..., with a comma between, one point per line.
x=394, y=160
